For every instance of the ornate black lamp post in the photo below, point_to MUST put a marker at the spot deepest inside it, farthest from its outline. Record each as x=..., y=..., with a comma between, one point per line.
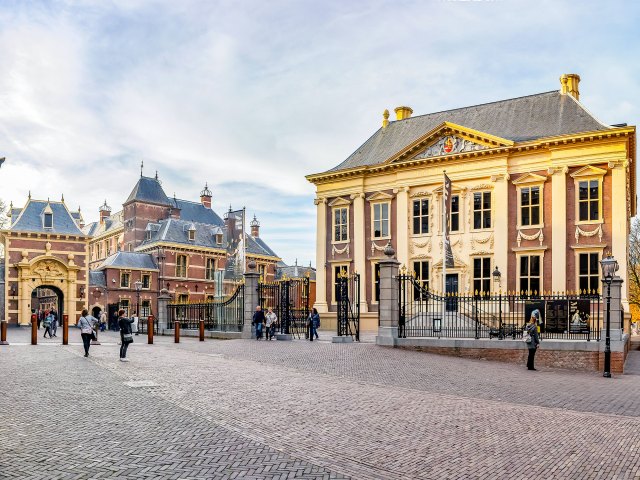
x=138, y=286
x=609, y=268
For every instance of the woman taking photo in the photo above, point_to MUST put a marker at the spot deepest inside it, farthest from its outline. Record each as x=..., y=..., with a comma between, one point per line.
x=126, y=337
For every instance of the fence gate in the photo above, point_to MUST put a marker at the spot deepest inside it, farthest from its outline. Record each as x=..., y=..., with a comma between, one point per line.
x=348, y=297
x=221, y=314
x=289, y=300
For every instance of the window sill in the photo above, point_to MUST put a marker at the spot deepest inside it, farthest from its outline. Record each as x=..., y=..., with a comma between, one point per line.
x=377, y=239
x=589, y=222
x=341, y=242
x=530, y=227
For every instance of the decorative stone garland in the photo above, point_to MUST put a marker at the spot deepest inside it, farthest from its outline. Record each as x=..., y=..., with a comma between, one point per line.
x=598, y=231
x=375, y=247
x=521, y=235
x=335, y=250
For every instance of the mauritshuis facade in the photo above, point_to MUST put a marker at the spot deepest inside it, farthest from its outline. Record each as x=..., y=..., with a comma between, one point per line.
x=164, y=243
x=541, y=191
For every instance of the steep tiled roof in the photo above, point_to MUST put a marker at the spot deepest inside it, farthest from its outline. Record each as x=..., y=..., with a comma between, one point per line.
x=196, y=212
x=30, y=219
x=110, y=223
x=261, y=247
x=97, y=279
x=518, y=119
x=148, y=190
x=129, y=260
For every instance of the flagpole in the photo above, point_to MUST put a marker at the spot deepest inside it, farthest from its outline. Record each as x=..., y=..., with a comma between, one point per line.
x=444, y=247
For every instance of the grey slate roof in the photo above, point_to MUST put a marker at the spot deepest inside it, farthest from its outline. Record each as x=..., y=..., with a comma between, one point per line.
x=148, y=190
x=97, y=279
x=110, y=223
x=196, y=212
x=518, y=119
x=129, y=260
x=30, y=219
x=261, y=245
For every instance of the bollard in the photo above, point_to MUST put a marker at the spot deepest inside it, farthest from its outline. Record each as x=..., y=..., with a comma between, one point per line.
x=202, y=330
x=3, y=333
x=150, y=330
x=65, y=329
x=34, y=330
x=176, y=332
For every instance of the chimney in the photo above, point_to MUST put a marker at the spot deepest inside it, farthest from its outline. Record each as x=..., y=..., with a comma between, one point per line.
x=205, y=196
x=403, y=112
x=255, y=227
x=105, y=211
x=569, y=85
x=385, y=118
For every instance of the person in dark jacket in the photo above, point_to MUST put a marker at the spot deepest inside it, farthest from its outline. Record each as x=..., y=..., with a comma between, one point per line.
x=86, y=324
x=532, y=329
x=54, y=323
x=315, y=323
x=124, y=324
x=258, y=321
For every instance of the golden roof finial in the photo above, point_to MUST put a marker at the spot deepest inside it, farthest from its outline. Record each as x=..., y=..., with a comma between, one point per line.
x=385, y=118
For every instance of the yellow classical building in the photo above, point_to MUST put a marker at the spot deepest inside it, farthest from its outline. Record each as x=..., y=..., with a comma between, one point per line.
x=541, y=190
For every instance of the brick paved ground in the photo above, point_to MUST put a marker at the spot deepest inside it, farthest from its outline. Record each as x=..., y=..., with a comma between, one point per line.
x=306, y=410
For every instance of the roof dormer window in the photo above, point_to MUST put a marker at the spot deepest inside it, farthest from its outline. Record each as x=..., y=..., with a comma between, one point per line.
x=192, y=235
x=48, y=220
x=219, y=238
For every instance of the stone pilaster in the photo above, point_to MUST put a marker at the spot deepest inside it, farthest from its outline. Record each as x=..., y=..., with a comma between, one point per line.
x=359, y=252
x=500, y=227
x=163, y=313
x=321, y=256
x=559, y=230
x=251, y=301
x=402, y=221
x=616, y=309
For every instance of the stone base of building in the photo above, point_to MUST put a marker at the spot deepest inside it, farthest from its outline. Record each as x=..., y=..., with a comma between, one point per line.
x=573, y=355
x=368, y=322
x=196, y=333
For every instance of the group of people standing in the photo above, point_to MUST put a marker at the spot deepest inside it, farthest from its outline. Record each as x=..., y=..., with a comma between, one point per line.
x=268, y=324
x=49, y=320
x=88, y=326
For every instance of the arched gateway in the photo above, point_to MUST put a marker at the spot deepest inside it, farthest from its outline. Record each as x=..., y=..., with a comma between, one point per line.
x=44, y=249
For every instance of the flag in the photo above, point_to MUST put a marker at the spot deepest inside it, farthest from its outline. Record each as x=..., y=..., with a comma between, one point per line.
x=235, y=265
x=446, y=198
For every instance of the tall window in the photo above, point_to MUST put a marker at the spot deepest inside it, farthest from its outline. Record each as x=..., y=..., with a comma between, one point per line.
x=422, y=276
x=588, y=273
x=589, y=200
x=380, y=220
x=481, y=210
x=124, y=305
x=530, y=206
x=337, y=271
x=181, y=266
x=99, y=250
x=145, y=308
x=376, y=282
x=146, y=281
x=454, y=215
x=420, y=216
x=183, y=298
x=210, y=269
x=340, y=225
x=48, y=220
x=262, y=270
x=530, y=274
x=124, y=280
x=482, y=276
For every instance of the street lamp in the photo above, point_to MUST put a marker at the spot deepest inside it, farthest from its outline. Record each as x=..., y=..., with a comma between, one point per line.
x=609, y=267
x=496, y=276
x=138, y=285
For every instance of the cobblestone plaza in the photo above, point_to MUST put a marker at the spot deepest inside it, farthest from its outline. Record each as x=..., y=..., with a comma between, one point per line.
x=247, y=409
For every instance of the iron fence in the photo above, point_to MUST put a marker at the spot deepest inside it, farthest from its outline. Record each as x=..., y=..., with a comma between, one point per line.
x=423, y=313
x=225, y=315
x=289, y=300
x=348, y=298
x=143, y=325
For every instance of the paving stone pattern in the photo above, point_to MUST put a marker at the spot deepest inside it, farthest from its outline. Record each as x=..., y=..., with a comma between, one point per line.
x=307, y=410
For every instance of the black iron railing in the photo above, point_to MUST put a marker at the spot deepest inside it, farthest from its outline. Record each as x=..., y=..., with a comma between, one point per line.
x=289, y=300
x=225, y=315
x=348, y=299
x=423, y=313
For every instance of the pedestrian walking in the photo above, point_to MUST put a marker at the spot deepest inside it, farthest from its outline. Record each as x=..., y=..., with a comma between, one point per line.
x=258, y=321
x=54, y=322
x=46, y=323
x=103, y=321
x=531, y=338
x=126, y=335
x=272, y=321
x=315, y=324
x=40, y=317
x=86, y=324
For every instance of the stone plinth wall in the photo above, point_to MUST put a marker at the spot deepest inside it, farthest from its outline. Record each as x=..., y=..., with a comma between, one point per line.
x=583, y=356
x=196, y=334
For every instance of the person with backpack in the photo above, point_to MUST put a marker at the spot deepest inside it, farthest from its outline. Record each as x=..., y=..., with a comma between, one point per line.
x=86, y=324
x=531, y=338
x=46, y=323
x=315, y=324
x=126, y=335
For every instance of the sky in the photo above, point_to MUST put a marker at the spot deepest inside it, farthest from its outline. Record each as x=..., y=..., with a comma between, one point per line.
x=251, y=96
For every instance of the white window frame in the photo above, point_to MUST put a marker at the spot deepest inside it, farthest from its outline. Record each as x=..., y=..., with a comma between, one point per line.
x=473, y=210
x=589, y=251
x=186, y=266
x=529, y=253
x=458, y=213
x=421, y=217
x=418, y=274
x=126, y=307
x=519, y=189
x=211, y=270
x=334, y=300
x=373, y=221
x=145, y=311
x=473, y=274
x=334, y=210
x=373, y=282
x=589, y=179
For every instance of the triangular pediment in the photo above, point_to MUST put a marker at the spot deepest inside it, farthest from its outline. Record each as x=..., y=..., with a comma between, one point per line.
x=450, y=139
x=455, y=187
x=528, y=178
x=589, y=171
x=379, y=196
x=339, y=202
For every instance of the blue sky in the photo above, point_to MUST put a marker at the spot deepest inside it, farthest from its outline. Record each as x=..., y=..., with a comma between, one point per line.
x=250, y=96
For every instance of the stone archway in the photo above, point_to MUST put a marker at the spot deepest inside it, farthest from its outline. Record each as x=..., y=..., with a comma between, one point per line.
x=46, y=270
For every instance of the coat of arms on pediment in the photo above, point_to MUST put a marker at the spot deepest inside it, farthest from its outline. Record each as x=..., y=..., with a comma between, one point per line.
x=47, y=269
x=449, y=145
